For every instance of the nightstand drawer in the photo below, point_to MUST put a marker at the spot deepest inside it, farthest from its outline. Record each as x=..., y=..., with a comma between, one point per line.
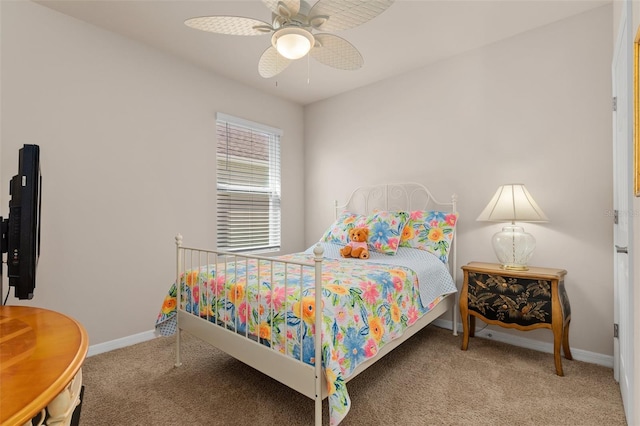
x=511, y=300
x=510, y=309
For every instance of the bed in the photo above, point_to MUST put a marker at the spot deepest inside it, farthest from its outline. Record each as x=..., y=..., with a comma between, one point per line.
x=262, y=310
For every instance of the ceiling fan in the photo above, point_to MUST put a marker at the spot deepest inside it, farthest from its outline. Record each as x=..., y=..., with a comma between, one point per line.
x=292, y=26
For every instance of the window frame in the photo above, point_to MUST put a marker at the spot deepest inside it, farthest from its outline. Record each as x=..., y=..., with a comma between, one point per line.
x=233, y=198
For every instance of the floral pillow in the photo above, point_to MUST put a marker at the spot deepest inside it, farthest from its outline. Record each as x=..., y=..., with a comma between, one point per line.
x=431, y=231
x=338, y=232
x=385, y=230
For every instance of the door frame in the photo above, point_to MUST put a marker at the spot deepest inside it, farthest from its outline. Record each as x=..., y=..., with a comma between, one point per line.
x=623, y=200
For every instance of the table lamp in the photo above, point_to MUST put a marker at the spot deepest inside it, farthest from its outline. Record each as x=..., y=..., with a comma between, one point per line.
x=513, y=246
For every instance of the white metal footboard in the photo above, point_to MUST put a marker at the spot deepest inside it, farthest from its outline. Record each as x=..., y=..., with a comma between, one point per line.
x=246, y=347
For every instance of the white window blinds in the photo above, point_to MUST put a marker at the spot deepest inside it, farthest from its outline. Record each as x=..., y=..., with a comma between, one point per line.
x=248, y=185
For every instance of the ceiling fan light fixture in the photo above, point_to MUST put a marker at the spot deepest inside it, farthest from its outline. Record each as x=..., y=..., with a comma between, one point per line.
x=292, y=42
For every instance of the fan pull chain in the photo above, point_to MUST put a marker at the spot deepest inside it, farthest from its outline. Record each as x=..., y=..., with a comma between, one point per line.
x=308, y=69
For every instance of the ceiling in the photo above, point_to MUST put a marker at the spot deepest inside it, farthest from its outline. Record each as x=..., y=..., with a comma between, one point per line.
x=409, y=35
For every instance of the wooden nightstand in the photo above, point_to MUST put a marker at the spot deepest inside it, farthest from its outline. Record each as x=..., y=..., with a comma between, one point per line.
x=524, y=300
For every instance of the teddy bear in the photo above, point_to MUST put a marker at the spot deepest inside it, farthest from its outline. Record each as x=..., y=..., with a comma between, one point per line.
x=357, y=246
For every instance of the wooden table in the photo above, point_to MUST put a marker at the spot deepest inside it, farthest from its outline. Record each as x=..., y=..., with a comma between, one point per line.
x=524, y=300
x=41, y=355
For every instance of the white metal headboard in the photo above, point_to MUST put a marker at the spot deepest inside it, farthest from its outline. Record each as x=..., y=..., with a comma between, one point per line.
x=395, y=197
x=399, y=197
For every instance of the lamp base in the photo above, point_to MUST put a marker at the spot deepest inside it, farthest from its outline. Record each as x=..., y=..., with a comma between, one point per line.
x=513, y=247
x=514, y=267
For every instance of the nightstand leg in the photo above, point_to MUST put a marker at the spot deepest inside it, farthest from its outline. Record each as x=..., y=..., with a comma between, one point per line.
x=558, y=334
x=465, y=334
x=464, y=314
x=565, y=341
x=465, y=331
x=468, y=330
x=556, y=357
x=557, y=326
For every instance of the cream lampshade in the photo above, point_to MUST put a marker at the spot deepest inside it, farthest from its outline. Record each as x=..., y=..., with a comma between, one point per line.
x=513, y=246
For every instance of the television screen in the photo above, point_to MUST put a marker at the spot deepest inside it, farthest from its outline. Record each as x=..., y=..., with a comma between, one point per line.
x=21, y=231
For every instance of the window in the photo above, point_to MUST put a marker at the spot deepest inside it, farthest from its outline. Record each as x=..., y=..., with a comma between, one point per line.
x=248, y=185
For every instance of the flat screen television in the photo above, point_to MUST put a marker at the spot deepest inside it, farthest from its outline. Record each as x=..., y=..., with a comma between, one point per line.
x=21, y=230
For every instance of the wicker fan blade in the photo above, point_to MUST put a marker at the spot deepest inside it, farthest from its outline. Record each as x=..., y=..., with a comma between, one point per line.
x=284, y=8
x=336, y=52
x=336, y=15
x=232, y=25
x=272, y=63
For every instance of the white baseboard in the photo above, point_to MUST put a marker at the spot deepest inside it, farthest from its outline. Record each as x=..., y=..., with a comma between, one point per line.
x=121, y=343
x=578, y=354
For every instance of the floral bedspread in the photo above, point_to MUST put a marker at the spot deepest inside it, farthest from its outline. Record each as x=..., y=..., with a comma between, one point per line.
x=365, y=305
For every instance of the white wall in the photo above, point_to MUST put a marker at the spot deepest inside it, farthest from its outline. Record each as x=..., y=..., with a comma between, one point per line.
x=127, y=137
x=533, y=109
x=127, y=150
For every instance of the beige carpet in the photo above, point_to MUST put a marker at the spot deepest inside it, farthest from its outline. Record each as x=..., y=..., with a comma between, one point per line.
x=426, y=381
